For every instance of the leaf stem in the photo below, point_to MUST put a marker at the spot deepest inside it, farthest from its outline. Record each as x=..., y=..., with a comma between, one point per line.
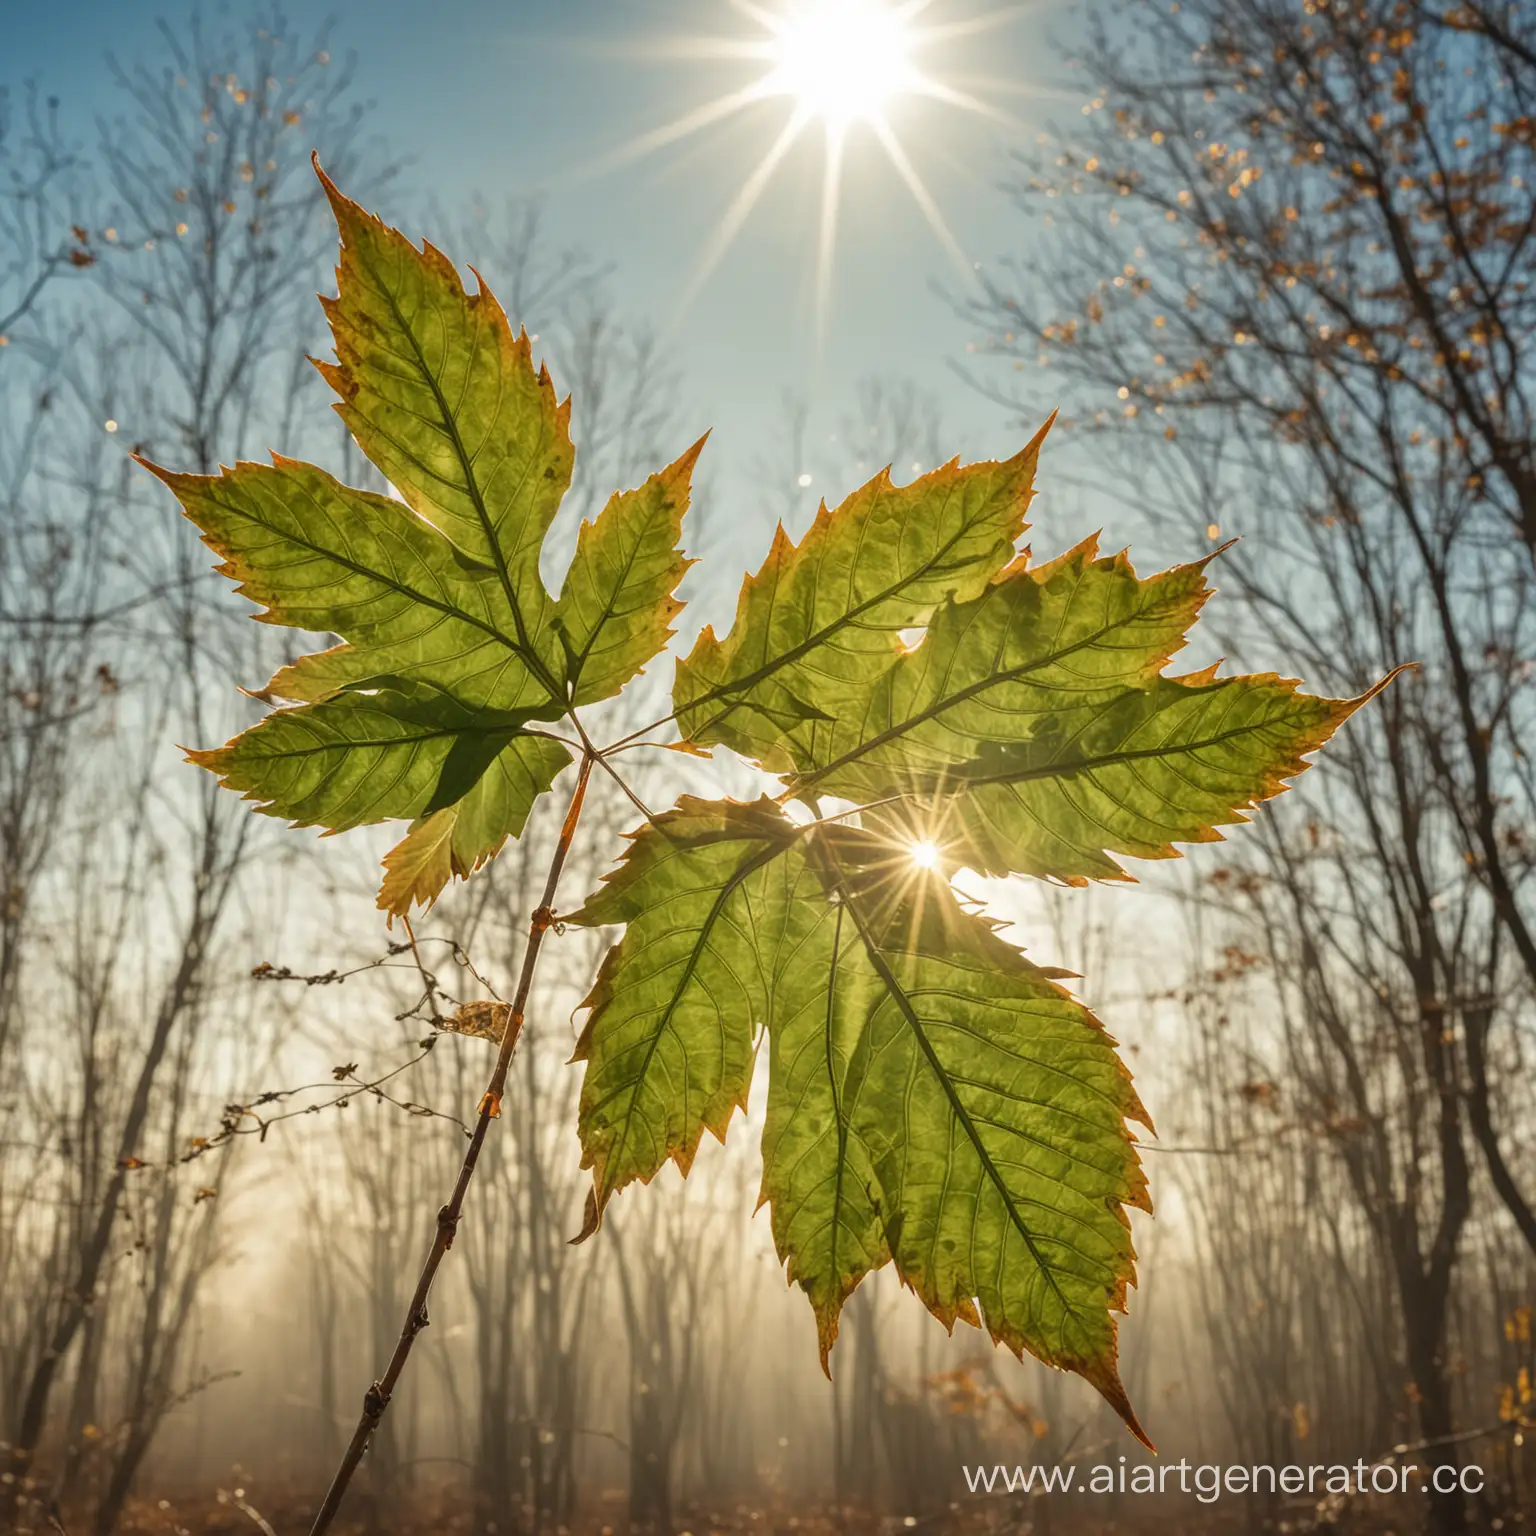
x=633, y=739
x=601, y=759
x=377, y=1398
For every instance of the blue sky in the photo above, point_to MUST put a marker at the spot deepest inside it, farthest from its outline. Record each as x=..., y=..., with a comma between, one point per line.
x=515, y=95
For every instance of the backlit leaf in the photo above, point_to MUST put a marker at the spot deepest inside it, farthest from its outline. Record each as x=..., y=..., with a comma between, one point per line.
x=616, y=607
x=822, y=620
x=1033, y=731
x=319, y=555
x=928, y=699
x=669, y=1037
x=445, y=400
x=453, y=653
x=933, y=1097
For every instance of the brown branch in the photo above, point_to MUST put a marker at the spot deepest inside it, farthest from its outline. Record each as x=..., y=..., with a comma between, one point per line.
x=376, y=1399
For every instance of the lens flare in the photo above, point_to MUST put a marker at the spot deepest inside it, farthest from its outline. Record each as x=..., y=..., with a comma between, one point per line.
x=925, y=855
x=843, y=60
x=845, y=68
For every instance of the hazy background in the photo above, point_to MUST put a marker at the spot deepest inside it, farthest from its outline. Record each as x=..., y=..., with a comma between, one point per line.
x=532, y=97
x=228, y=1113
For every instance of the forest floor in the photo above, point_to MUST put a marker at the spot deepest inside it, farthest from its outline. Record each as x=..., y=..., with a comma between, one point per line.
x=248, y=1512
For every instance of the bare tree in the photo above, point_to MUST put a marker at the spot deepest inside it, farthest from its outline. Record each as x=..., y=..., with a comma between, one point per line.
x=124, y=884
x=1291, y=247
x=43, y=232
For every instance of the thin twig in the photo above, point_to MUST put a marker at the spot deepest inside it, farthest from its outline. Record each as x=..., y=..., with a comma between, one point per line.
x=428, y=980
x=376, y=1400
x=250, y=1511
x=602, y=761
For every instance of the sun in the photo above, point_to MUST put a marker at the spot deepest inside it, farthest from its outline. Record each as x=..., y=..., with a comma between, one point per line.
x=843, y=61
x=925, y=854
x=847, y=67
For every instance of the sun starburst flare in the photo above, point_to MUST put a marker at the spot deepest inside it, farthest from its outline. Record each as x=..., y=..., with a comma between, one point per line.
x=843, y=67
x=925, y=854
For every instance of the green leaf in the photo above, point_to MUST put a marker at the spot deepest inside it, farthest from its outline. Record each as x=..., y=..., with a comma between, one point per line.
x=821, y=620
x=994, y=1110
x=1031, y=730
x=934, y=1098
x=616, y=607
x=446, y=402
x=451, y=646
x=669, y=1039
x=360, y=758
x=936, y=1101
x=1131, y=775
x=319, y=555
x=456, y=839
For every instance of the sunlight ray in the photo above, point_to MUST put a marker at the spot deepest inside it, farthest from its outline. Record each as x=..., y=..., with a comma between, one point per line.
x=974, y=26
x=920, y=194
x=741, y=206
x=1016, y=88
x=669, y=133
x=848, y=64
x=766, y=19
x=938, y=90
x=826, y=253
x=698, y=46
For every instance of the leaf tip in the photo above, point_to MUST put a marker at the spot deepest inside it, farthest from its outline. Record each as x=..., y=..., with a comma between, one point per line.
x=338, y=378
x=1381, y=686
x=418, y=867
x=169, y=477
x=338, y=200
x=210, y=758
x=1105, y=1379
x=1030, y=452
x=592, y=1219
x=826, y=1336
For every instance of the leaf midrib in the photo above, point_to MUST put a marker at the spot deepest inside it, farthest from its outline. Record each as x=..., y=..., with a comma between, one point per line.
x=471, y=483
x=970, y=691
x=834, y=1086
x=904, y=1006
x=1110, y=759
x=413, y=741
x=820, y=637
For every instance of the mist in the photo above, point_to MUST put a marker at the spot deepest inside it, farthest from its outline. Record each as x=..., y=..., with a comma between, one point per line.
x=233, y=1100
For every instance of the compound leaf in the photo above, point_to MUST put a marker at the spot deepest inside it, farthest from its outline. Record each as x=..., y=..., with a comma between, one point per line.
x=821, y=620
x=1031, y=729
x=933, y=1097
x=936, y=1101
x=452, y=649
x=616, y=607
